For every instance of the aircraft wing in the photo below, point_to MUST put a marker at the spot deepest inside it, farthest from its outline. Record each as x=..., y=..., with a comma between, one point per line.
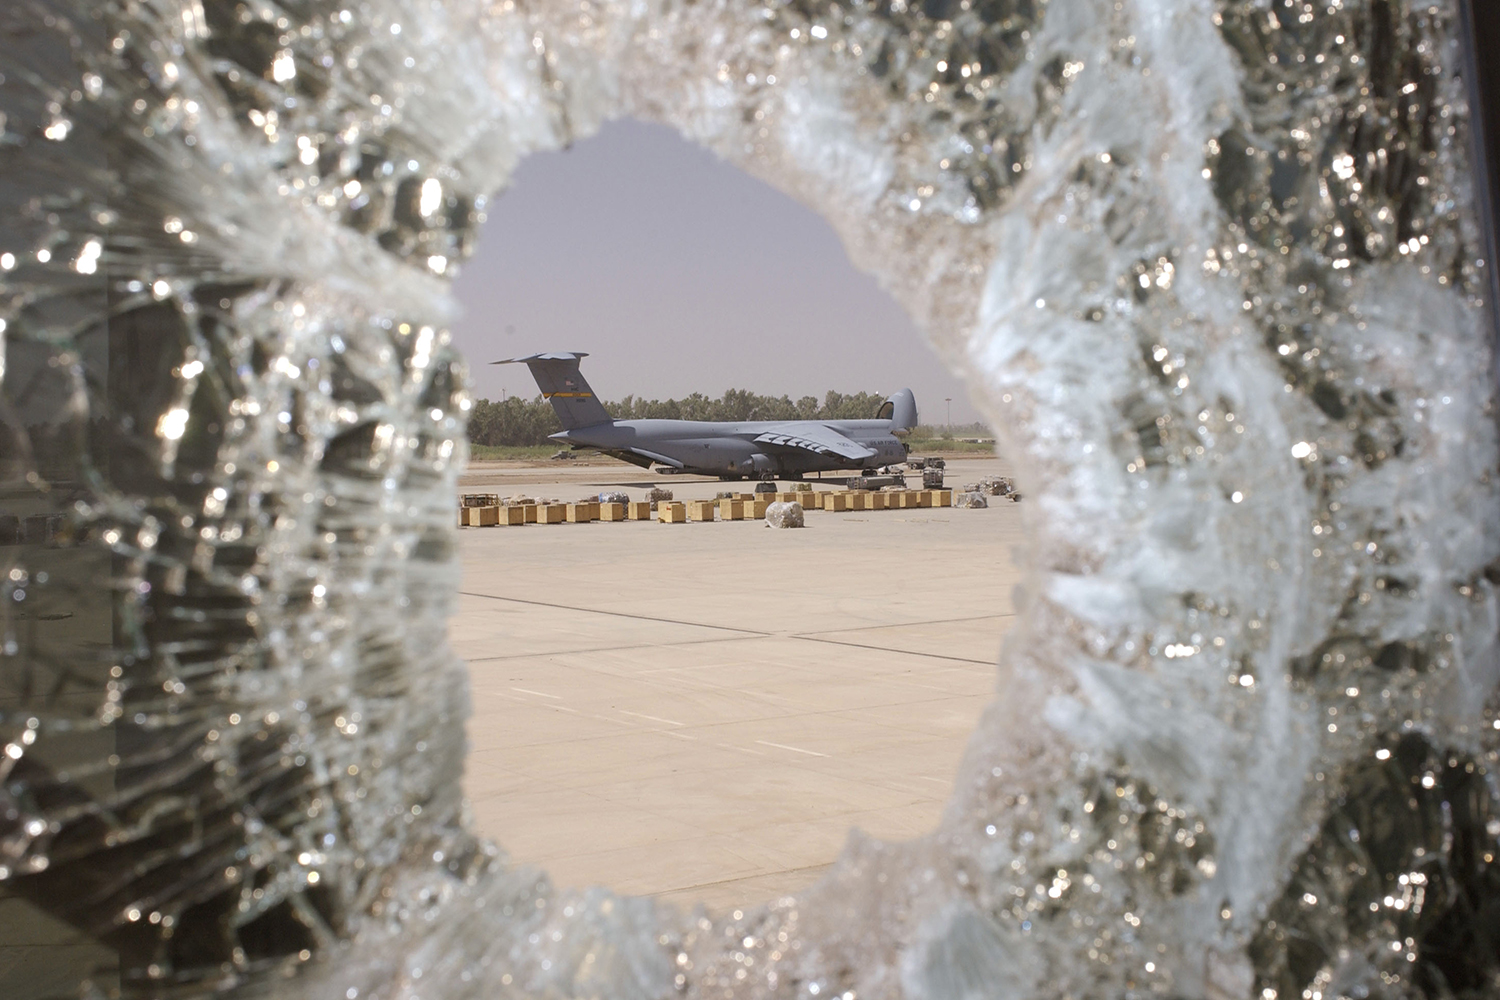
x=815, y=437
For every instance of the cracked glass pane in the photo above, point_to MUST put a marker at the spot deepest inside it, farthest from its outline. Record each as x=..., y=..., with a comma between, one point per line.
x=1214, y=269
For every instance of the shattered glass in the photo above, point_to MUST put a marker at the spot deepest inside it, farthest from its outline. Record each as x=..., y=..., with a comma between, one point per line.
x=1213, y=270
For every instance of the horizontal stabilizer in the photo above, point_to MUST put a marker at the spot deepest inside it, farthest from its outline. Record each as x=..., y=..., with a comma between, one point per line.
x=555, y=356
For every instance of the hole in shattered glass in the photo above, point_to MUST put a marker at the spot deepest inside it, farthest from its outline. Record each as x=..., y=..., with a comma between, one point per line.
x=705, y=715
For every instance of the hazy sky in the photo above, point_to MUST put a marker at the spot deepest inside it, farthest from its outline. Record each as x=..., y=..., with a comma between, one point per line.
x=678, y=273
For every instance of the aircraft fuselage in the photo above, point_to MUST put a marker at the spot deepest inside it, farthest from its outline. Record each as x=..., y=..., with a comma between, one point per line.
x=725, y=448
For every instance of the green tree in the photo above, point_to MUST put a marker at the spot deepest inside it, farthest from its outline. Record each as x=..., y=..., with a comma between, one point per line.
x=514, y=421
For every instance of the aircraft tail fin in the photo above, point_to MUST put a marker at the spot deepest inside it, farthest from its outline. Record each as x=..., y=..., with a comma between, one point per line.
x=900, y=409
x=563, y=385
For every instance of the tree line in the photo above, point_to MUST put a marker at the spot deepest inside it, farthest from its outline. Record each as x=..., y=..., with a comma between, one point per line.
x=520, y=421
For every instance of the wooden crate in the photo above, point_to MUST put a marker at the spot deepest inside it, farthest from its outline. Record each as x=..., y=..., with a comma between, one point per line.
x=463, y=517
x=484, y=517
x=612, y=511
x=877, y=501
x=671, y=512
x=512, y=515
x=837, y=502
x=756, y=508
x=638, y=510
x=924, y=498
x=905, y=499
x=582, y=513
x=701, y=510
x=942, y=498
x=551, y=513
x=731, y=510
x=529, y=512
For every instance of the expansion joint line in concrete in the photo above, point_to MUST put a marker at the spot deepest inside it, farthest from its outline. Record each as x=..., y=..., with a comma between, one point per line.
x=754, y=633
x=902, y=652
x=618, y=649
x=806, y=869
x=619, y=614
x=932, y=621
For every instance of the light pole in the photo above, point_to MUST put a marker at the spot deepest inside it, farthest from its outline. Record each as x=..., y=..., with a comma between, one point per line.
x=949, y=401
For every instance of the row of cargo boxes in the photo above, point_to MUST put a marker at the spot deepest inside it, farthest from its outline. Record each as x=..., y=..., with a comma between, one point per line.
x=743, y=507
x=552, y=513
x=845, y=500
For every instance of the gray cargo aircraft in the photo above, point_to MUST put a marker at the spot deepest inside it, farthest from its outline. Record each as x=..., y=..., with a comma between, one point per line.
x=756, y=449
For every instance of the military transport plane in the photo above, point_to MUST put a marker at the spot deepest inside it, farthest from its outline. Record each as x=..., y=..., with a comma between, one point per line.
x=757, y=449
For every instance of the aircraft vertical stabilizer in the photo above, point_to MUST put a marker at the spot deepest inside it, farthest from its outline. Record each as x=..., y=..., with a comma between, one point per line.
x=900, y=409
x=562, y=384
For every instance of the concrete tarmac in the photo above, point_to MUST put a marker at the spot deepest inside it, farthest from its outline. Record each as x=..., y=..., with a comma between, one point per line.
x=703, y=711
